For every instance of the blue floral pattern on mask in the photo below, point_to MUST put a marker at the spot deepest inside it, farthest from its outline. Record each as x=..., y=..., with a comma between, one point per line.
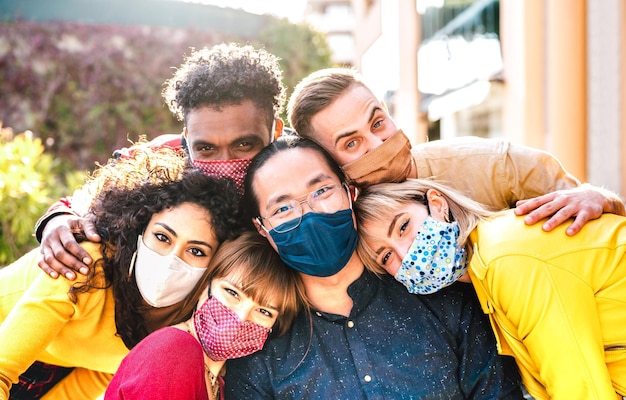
x=434, y=259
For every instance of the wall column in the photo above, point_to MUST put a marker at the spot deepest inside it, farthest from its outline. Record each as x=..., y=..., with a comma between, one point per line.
x=566, y=87
x=522, y=35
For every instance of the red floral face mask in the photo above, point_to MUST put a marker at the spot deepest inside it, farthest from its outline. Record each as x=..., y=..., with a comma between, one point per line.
x=223, y=335
x=234, y=170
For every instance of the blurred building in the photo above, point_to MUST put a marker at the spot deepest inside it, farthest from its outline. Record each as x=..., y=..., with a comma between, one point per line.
x=549, y=74
x=336, y=19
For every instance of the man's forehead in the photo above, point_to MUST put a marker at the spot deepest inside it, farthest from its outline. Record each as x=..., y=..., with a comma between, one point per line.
x=245, y=113
x=346, y=114
x=230, y=124
x=225, y=138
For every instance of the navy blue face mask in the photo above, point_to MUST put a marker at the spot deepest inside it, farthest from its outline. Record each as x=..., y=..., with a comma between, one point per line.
x=321, y=245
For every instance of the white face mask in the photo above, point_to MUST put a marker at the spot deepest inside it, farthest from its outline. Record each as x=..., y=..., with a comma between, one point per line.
x=163, y=280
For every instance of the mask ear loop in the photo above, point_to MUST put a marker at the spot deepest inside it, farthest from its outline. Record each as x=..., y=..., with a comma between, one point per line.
x=133, y=260
x=446, y=214
x=345, y=185
x=132, y=265
x=273, y=135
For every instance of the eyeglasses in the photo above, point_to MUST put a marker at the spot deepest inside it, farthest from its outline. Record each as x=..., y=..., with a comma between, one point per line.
x=287, y=216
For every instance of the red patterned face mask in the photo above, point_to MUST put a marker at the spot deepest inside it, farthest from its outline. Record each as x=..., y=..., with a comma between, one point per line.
x=234, y=170
x=223, y=335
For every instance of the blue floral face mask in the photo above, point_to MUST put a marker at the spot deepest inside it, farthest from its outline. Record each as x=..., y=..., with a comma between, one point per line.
x=434, y=260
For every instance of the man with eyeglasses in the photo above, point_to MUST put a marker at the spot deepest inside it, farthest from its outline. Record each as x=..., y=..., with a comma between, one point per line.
x=283, y=218
x=364, y=336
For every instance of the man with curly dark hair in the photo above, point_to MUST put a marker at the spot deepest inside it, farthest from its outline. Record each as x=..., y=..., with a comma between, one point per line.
x=221, y=92
x=229, y=98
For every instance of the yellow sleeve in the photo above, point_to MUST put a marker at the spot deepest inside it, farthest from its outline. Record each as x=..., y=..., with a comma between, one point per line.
x=80, y=384
x=555, y=316
x=35, y=309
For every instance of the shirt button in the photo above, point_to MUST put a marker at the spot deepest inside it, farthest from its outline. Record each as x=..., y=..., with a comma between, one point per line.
x=350, y=324
x=367, y=378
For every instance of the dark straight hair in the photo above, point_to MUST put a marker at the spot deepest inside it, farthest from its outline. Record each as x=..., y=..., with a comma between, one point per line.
x=250, y=203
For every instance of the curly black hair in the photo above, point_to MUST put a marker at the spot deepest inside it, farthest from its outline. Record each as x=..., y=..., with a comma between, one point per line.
x=130, y=193
x=226, y=74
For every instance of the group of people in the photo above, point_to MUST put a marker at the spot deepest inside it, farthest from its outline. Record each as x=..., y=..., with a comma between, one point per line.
x=321, y=263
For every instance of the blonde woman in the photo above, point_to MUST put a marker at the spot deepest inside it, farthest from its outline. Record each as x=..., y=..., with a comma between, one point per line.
x=556, y=302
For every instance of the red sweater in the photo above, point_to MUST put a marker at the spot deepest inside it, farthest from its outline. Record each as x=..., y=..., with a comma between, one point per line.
x=167, y=365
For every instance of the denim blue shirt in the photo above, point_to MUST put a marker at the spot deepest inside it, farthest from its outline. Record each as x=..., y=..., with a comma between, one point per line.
x=394, y=345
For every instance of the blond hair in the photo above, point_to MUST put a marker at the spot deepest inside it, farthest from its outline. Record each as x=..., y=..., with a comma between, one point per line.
x=376, y=203
x=316, y=92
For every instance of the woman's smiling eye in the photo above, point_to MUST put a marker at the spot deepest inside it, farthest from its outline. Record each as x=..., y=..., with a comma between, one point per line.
x=350, y=144
x=232, y=292
x=266, y=312
x=161, y=237
x=197, y=252
x=378, y=123
x=385, y=257
x=404, y=225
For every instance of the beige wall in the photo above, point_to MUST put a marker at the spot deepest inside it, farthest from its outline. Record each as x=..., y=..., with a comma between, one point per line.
x=522, y=36
x=543, y=45
x=566, y=84
x=565, y=88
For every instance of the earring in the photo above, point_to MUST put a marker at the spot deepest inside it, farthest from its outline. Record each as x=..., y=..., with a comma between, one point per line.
x=446, y=216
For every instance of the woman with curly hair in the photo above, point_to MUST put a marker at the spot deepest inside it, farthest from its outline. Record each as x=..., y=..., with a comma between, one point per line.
x=160, y=225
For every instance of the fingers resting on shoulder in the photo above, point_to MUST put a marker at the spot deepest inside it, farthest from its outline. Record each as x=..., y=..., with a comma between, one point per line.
x=583, y=204
x=61, y=255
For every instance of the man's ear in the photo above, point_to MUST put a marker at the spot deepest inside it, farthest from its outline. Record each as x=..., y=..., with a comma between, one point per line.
x=259, y=227
x=278, y=128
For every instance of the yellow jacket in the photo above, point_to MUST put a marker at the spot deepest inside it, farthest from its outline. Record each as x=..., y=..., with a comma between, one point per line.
x=39, y=322
x=556, y=303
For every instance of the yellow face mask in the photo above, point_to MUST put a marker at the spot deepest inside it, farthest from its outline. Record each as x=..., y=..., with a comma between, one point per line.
x=390, y=162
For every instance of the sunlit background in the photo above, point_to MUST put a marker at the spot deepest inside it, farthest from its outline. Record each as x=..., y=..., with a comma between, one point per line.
x=549, y=74
x=293, y=10
x=84, y=76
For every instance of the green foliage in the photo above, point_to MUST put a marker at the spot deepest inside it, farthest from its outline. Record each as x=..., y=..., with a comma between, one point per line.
x=86, y=89
x=29, y=182
x=301, y=50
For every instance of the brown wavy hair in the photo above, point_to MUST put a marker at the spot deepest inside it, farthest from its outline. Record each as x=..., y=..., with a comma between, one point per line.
x=223, y=75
